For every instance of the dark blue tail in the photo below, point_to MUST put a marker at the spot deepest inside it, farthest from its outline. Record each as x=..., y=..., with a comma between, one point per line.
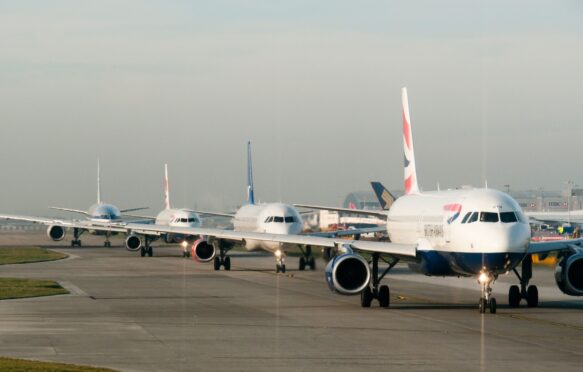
x=384, y=196
x=250, y=191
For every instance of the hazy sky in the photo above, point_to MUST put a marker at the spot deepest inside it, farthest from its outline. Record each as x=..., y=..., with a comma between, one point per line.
x=495, y=89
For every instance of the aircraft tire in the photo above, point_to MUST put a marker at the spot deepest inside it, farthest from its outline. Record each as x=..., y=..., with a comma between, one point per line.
x=532, y=296
x=302, y=263
x=217, y=263
x=514, y=296
x=366, y=297
x=227, y=263
x=384, y=296
x=492, y=305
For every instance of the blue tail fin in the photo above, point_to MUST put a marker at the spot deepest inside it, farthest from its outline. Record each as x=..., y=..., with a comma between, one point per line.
x=250, y=191
x=384, y=196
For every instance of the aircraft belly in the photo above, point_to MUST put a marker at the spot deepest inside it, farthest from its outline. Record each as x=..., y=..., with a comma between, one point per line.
x=443, y=263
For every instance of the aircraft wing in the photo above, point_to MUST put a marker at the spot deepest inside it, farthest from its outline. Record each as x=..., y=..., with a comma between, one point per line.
x=555, y=246
x=70, y=210
x=217, y=214
x=407, y=251
x=79, y=224
x=133, y=209
x=366, y=230
x=366, y=212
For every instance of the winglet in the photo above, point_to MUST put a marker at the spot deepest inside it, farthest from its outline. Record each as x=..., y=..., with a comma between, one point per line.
x=166, y=190
x=411, y=186
x=250, y=190
x=384, y=196
x=98, y=182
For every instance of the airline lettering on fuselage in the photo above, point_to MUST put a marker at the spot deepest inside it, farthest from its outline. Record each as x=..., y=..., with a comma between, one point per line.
x=433, y=231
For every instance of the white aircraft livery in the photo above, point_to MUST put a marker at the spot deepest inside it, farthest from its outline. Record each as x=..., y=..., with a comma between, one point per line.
x=479, y=233
x=98, y=216
x=167, y=217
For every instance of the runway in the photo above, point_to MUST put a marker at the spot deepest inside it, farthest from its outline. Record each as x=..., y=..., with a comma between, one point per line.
x=167, y=313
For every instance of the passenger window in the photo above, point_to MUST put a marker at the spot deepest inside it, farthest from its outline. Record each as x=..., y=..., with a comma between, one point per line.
x=289, y=219
x=466, y=217
x=508, y=217
x=278, y=219
x=488, y=217
x=473, y=218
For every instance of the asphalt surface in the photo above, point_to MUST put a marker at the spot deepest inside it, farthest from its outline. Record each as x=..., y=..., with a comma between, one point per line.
x=167, y=313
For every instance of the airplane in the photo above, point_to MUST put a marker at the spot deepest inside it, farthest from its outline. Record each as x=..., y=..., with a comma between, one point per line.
x=97, y=215
x=480, y=233
x=167, y=217
x=384, y=196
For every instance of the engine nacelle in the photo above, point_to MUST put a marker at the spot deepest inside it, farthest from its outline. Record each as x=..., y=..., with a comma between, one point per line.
x=56, y=233
x=348, y=274
x=133, y=243
x=569, y=275
x=203, y=251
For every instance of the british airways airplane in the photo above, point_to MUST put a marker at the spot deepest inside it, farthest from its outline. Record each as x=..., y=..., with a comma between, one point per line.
x=479, y=233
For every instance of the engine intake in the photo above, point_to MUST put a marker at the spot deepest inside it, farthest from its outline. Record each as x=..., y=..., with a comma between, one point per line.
x=569, y=275
x=203, y=251
x=56, y=233
x=133, y=243
x=348, y=274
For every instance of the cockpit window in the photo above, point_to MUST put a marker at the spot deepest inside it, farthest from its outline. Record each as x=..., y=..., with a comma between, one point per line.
x=473, y=218
x=278, y=219
x=192, y=219
x=488, y=217
x=290, y=219
x=269, y=219
x=507, y=217
x=466, y=217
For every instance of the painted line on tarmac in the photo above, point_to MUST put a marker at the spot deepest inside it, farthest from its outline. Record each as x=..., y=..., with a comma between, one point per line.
x=73, y=289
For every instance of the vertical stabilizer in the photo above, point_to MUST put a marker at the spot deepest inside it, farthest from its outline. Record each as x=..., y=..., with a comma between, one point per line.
x=250, y=190
x=98, y=182
x=384, y=196
x=166, y=190
x=411, y=186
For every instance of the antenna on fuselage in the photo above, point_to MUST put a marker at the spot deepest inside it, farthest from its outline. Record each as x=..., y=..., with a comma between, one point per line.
x=486, y=184
x=98, y=182
x=250, y=191
x=166, y=188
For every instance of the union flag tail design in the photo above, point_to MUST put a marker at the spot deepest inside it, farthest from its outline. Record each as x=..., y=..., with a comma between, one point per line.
x=411, y=186
x=166, y=191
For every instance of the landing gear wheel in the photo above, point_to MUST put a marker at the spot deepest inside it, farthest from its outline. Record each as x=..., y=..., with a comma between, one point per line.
x=384, y=296
x=143, y=252
x=532, y=296
x=302, y=263
x=366, y=297
x=492, y=305
x=217, y=263
x=283, y=269
x=482, y=305
x=227, y=263
x=107, y=244
x=150, y=252
x=514, y=296
x=312, y=263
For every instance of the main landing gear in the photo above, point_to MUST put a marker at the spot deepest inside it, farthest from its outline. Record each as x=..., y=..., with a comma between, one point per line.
x=528, y=292
x=307, y=258
x=222, y=260
x=107, y=243
x=280, y=259
x=487, y=302
x=381, y=293
x=147, y=249
x=76, y=242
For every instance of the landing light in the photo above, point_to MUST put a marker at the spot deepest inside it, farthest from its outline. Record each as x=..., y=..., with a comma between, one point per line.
x=483, y=278
x=278, y=254
x=184, y=244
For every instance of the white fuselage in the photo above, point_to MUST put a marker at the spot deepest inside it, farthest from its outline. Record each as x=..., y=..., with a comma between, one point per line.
x=453, y=244
x=272, y=218
x=177, y=218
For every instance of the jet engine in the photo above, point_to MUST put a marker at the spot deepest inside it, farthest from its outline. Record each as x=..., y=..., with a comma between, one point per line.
x=348, y=273
x=203, y=251
x=133, y=243
x=569, y=274
x=56, y=233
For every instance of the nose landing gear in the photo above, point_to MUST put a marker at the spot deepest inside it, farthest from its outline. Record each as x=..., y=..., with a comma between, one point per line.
x=280, y=259
x=487, y=302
